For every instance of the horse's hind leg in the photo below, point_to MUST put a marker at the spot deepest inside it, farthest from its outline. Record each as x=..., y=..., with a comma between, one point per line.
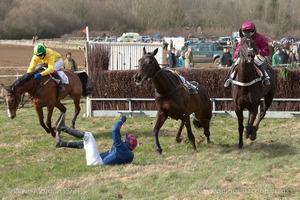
x=178, y=137
x=160, y=120
x=77, y=111
x=265, y=106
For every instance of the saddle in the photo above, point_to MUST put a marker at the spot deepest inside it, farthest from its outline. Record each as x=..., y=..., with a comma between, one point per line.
x=191, y=87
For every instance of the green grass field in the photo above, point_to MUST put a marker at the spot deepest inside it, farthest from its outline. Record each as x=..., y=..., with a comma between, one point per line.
x=32, y=168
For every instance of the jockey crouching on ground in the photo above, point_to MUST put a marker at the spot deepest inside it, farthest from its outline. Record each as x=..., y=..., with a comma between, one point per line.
x=53, y=59
x=249, y=30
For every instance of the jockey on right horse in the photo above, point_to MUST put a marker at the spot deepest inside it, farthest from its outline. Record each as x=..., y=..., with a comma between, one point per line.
x=249, y=30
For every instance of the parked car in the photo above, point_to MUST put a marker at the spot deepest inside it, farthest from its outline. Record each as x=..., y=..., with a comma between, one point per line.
x=99, y=39
x=112, y=39
x=146, y=38
x=130, y=37
x=289, y=38
x=224, y=40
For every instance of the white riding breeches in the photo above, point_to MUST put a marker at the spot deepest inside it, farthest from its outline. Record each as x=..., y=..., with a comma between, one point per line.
x=259, y=60
x=57, y=65
x=91, y=150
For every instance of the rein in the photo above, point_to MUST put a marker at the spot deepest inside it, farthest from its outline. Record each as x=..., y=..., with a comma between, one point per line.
x=40, y=86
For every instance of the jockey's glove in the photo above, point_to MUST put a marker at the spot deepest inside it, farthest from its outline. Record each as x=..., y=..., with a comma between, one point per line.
x=37, y=76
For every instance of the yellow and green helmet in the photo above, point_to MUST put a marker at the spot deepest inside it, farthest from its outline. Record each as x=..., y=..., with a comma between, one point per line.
x=39, y=49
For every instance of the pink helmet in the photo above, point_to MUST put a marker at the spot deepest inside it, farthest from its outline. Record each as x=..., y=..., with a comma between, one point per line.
x=248, y=26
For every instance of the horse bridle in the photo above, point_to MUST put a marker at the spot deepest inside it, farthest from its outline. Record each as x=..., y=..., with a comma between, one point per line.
x=17, y=98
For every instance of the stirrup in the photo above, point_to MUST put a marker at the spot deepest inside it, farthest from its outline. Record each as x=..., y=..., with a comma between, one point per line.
x=266, y=82
x=227, y=83
x=61, y=88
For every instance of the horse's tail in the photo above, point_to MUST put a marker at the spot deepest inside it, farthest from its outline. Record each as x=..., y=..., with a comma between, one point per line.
x=84, y=81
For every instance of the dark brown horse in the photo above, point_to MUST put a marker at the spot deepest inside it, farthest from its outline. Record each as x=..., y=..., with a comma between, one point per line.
x=248, y=90
x=44, y=93
x=174, y=100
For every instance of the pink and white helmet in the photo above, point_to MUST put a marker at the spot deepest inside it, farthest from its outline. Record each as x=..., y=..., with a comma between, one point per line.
x=248, y=26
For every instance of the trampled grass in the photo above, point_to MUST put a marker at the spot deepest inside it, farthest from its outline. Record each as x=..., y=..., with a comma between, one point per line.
x=32, y=168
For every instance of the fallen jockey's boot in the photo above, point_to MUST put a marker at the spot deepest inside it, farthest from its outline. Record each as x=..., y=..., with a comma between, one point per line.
x=76, y=133
x=58, y=80
x=76, y=145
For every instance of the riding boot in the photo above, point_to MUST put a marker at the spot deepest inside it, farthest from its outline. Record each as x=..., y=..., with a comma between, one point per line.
x=57, y=78
x=76, y=133
x=265, y=76
x=76, y=145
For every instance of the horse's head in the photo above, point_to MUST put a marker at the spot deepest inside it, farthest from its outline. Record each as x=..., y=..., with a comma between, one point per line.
x=12, y=99
x=147, y=67
x=248, y=49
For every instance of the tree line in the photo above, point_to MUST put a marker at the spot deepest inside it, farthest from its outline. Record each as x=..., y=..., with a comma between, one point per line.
x=21, y=19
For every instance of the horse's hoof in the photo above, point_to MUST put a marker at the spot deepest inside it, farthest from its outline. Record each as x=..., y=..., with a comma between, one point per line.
x=247, y=135
x=210, y=142
x=240, y=146
x=159, y=151
x=253, y=136
x=179, y=139
x=53, y=135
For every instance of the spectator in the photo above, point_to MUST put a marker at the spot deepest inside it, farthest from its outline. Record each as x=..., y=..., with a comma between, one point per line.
x=298, y=51
x=188, y=57
x=177, y=55
x=171, y=59
x=235, y=43
x=276, y=58
x=70, y=63
x=226, y=58
x=120, y=152
x=292, y=57
x=165, y=45
x=181, y=60
x=284, y=56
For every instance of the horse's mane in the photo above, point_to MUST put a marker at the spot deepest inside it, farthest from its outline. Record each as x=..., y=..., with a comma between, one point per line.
x=246, y=43
x=244, y=47
x=24, y=79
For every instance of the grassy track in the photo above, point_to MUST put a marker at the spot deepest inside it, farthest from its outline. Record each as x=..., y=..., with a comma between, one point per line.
x=32, y=168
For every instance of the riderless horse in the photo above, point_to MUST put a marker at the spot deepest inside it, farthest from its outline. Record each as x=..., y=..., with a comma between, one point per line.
x=173, y=99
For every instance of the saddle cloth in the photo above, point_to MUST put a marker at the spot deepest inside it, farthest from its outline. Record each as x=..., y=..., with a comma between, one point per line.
x=192, y=87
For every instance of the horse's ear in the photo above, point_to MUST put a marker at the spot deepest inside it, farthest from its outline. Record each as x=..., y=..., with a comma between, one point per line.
x=241, y=33
x=144, y=50
x=154, y=52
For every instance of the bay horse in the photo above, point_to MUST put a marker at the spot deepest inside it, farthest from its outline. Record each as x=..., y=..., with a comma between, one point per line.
x=174, y=100
x=44, y=93
x=248, y=90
